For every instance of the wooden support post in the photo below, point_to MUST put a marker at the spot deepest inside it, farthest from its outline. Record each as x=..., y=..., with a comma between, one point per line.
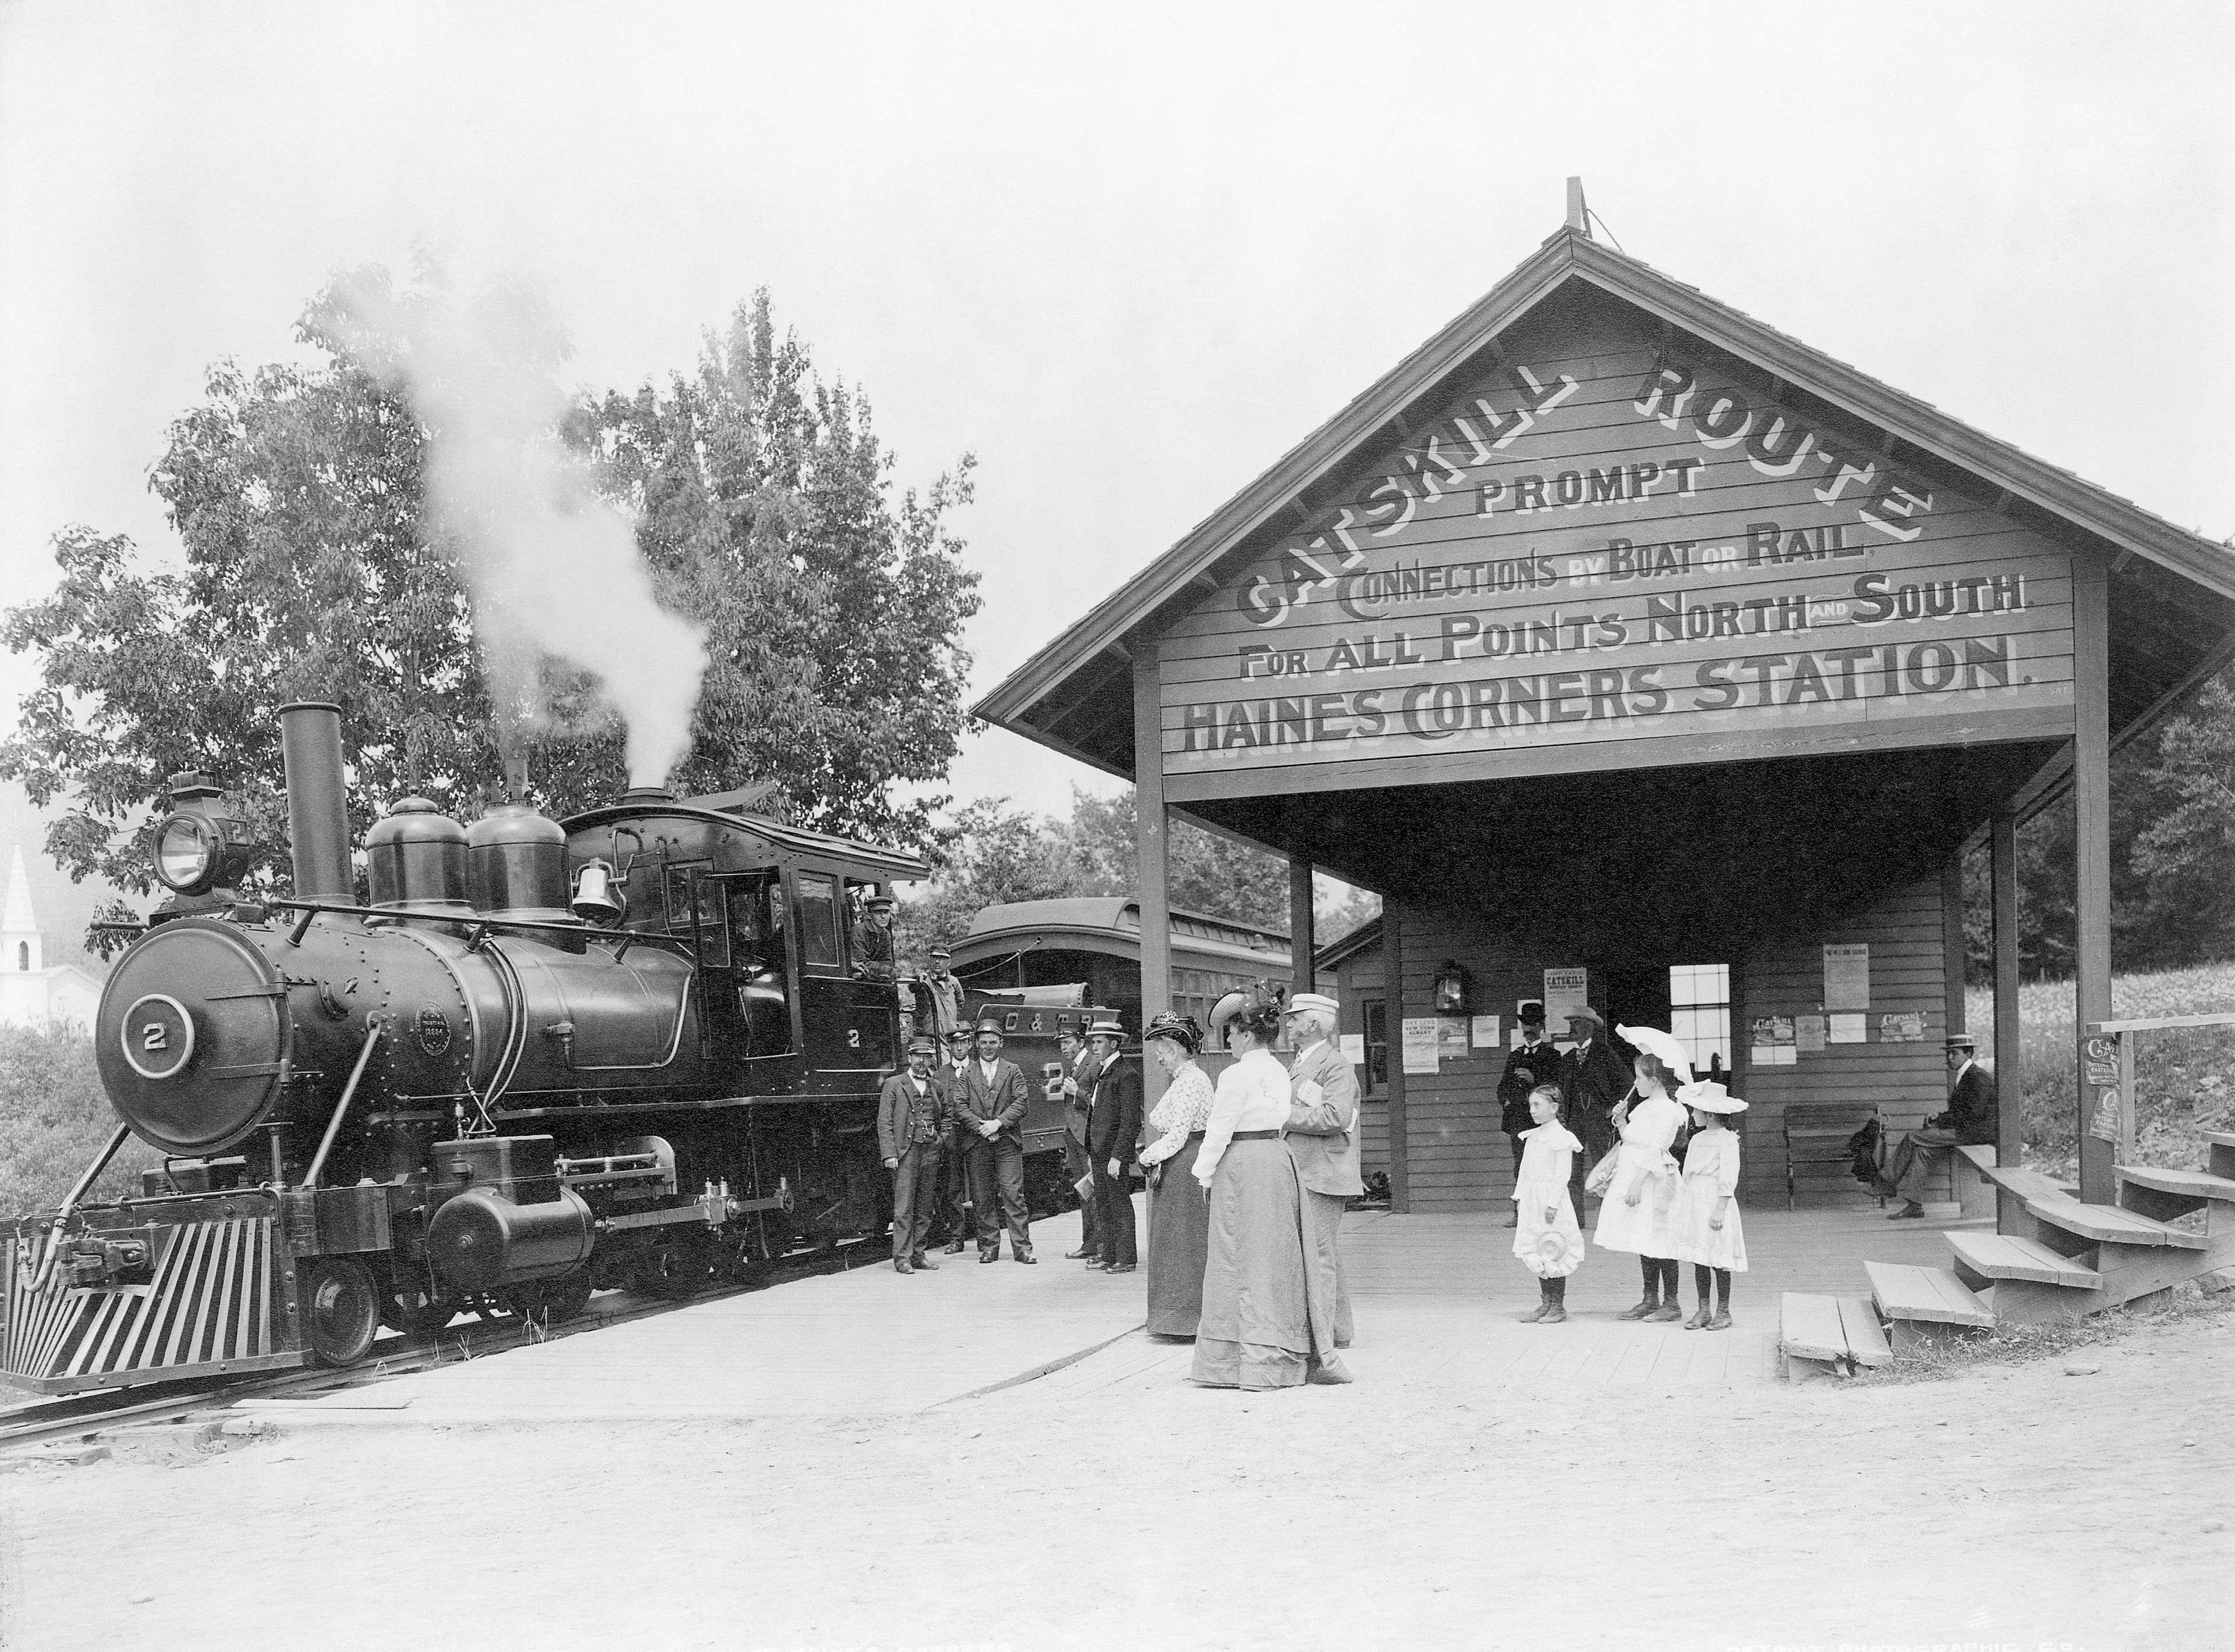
x=1302, y=941
x=1953, y=952
x=1392, y=993
x=1152, y=834
x=2091, y=792
x=2009, y=1078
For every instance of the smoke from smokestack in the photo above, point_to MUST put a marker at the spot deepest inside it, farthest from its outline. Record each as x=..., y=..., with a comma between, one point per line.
x=553, y=569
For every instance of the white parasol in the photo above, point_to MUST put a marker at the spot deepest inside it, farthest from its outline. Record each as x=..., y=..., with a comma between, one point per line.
x=1654, y=1041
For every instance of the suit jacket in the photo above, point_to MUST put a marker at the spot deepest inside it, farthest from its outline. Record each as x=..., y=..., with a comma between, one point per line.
x=896, y=1104
x=1323, y=1137
x=1004, y=1099
x=1971, y=1107
x=1074, y=1107
x=1113, y=1116
x=1543, y=1064
x=1592, y=1084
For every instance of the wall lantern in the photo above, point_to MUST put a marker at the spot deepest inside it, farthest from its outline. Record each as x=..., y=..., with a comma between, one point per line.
x=1451, y=989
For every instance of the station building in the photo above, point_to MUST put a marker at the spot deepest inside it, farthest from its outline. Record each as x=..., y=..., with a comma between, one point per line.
x=1636, y=653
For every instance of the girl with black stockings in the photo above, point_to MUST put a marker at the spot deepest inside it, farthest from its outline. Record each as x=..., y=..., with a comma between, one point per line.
x=1704, y=1221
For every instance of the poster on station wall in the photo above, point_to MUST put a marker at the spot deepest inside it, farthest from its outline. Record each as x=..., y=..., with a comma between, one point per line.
x=1606, y=538
x=1484, y=1035
x=1847, y=975
x=1564, y=990
x=1776, y=1041
x=1422, y=1044
x=1847, y=1026
x=1810, y=1034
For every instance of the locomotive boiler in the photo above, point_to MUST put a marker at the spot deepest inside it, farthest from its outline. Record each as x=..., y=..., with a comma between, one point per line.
x=627, y=1049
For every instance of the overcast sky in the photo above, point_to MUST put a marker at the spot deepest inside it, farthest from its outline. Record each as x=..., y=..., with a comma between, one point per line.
x=1126, y=257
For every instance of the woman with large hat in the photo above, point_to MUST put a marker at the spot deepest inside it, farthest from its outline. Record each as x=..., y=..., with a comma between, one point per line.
x=1179, y=1209
x=1268, y=1273
x=1633, y=1215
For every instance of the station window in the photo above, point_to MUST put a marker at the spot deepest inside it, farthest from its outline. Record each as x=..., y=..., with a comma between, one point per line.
x=1700, y=1000
x=1377, y=1046
x=818, y=921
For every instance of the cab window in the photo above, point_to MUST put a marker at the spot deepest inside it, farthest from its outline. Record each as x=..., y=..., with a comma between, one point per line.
x=819, y=947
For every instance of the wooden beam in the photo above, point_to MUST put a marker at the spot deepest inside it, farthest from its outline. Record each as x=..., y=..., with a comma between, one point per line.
x=2009, y=1077
x=1300, y=938
x=2091, y=784
x=1393, y=995
x=1151, y=839
x=1953, y=952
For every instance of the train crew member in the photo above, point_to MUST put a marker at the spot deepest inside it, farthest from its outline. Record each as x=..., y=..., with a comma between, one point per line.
x=946, y=994
x=1530, y=1062
x=953, y=1214
x=1113, y=1136
x=872, y=939
x=990, y=1117
x=1323, y=1133
x=1972, y=1120
x=1268, y=1273
x=911, y=1123
x=1074, y=1085
x=1595, y=1080
x=1179, y=1215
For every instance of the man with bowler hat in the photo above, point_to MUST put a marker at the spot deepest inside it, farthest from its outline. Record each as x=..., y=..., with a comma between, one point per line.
x=1533, y=1061
x=1075, y=1085
x=1594, y=1080
x=1113, y=1136
x=912, y=1123
x=989, y=1113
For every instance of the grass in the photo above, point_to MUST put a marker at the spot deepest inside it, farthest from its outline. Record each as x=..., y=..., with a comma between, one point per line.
x=1954, y=1356
x=54, y=1118
x=2184, y=1078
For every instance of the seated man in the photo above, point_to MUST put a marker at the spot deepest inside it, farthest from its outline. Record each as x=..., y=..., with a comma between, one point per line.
x=1971, y=1121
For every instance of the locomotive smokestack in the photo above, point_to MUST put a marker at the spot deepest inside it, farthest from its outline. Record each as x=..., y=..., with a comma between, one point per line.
x=318, y=812
x=647, y=796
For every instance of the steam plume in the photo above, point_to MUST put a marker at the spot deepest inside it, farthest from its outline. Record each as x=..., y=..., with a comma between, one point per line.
x=552, y=568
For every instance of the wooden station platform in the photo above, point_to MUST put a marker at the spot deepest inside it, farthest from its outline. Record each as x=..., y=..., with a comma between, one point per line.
x=1436, y=1300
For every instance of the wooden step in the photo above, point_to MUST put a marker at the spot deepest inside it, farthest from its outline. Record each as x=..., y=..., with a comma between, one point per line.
x=2108, y=1224
x=2220, y=1138
x=1828, y=1335
x=1866, y=1338
x=2028, y=1184
x=2188, y=1184
x=2002, y=1256
x=1933, y=1296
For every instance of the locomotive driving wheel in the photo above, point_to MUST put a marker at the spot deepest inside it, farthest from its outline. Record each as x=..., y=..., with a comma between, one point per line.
x=412, y=1307
x=341, y=1309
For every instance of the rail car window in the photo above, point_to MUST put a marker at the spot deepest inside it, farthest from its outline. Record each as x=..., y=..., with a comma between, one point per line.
x=818, y=921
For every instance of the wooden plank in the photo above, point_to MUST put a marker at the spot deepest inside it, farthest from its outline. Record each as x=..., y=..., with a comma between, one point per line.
x=2157, y=1022
x=2002, y=1256
x=1809, y=1326
x=1151, y=839
x=1931, y=1295
x=2027, y=1185
x=2194, y=1184
x=1866, y=1338
x=2109, y=1224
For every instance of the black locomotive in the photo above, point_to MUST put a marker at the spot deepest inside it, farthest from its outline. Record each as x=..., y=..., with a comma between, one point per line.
x=627, y=1049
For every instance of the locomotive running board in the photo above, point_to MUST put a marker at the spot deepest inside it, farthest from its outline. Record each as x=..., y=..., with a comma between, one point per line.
x=209, y=1310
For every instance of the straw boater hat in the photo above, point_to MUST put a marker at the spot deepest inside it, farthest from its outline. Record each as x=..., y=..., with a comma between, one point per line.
x=1710, y=1097
x=1108, y=1028
x=1317, y=1002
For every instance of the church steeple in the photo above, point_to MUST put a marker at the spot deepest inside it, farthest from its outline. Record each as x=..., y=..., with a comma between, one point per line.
x=20, y=947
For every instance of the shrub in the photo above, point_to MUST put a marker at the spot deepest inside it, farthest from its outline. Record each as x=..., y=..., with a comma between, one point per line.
x=53, y=1120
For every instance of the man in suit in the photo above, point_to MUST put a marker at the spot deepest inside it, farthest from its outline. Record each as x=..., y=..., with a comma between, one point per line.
x=953, y=1217
x=911, y=1123
x=1323, y=1132
x=1595, y=1080
x=1972, y=1120
x=989, y=1114
x=1076, y=1084
x=1113, y=1136
x=1530, y=1062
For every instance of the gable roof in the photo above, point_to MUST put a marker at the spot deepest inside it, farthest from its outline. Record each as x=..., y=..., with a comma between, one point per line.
x=1090, y=660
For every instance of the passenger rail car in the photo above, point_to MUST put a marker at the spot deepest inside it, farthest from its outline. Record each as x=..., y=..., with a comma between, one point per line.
x=628, y=1049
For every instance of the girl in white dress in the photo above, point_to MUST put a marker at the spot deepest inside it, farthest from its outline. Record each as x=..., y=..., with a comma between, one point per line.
x=1705, y=1218
x=1633, y=1216
x=1546, y=1237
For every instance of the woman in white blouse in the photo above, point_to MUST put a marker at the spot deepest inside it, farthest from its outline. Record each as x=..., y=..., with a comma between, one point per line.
x=1268, y=1278
x=1179, y=1209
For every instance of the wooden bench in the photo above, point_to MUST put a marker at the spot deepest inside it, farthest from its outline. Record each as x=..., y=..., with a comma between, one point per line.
x=1921, y=1303
x=1828, y=1336
x=1816, y=1134
x=1968, y=1167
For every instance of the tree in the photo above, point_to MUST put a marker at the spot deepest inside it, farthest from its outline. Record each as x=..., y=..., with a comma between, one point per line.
x=763, y=504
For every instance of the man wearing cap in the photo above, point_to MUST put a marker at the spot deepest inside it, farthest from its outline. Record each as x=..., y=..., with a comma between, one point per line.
x=1113, y=1134
x=989, y=1112
x=1594, y=1080
x=872, y=939
x=953, y=1216
x=1530, y=1063
x=1322, y=1132
x=1075, y=1085
x=1972, y=1120
x=911, y=1129
x=946, y=994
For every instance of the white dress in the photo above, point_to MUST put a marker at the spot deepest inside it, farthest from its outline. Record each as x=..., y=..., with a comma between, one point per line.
x=1711, y=1169
x=1550, y=1249
x=1643, y=1167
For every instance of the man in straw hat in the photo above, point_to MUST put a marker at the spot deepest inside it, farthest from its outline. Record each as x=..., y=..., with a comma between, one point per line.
x=1322, y=1131
x=1113, y=1134
x=1074, y=1085
x=1971, y=1121
x=1593, y=1080
x=912, y=1123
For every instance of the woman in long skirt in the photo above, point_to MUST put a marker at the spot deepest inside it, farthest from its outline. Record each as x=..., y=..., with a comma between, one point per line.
x=1179, y=1210
x=1268, y=1279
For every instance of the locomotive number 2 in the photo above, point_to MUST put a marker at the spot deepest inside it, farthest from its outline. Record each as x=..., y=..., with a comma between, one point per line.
x=852, y=1037
x=154, y=1037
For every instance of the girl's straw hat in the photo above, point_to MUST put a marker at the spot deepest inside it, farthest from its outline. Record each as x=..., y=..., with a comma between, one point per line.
x=1710, y=1097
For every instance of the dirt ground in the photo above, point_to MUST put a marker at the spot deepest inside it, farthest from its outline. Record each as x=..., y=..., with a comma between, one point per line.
x=2015, y=1507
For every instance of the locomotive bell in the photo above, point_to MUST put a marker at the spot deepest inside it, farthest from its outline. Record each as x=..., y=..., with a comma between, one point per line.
x=415, y=859
x=596, y=897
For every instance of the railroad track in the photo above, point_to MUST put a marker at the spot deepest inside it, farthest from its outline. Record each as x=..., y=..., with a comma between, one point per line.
x=82, y=1417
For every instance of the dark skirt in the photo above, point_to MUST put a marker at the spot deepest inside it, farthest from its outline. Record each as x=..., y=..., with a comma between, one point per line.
x=1268, y=1278
x=1179, y=1241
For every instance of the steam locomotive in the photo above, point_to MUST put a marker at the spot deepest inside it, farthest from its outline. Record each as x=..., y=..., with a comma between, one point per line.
x=630, y=1049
